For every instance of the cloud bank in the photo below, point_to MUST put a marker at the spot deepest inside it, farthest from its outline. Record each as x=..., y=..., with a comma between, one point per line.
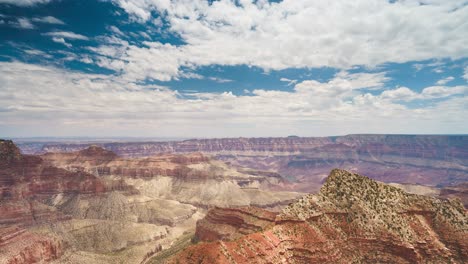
x=290, y=34
x=348, y=103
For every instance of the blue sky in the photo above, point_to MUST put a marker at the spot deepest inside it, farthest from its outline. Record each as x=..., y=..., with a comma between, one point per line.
x=198, y=68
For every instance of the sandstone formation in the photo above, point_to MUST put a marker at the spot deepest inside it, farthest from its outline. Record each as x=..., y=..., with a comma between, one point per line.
x=353, y=219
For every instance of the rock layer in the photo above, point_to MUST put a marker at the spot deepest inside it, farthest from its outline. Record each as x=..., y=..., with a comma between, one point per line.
x=92, y=206
x=353, y=219
x=433, y=160
x=232, y=223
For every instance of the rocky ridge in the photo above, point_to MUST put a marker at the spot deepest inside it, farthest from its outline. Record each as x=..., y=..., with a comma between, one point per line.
x=353, y=219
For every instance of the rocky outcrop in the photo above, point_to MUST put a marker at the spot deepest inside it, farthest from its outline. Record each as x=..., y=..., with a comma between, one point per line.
x=231, y=223
x=353, y=219
x=23, y=176
x=19, y=246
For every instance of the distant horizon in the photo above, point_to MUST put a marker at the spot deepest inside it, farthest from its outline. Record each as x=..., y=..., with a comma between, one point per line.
x=90, y=139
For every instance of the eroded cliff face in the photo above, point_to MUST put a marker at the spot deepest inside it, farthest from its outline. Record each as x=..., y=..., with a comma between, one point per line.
x=416, y=159
x=22, y=246
x=92, y=206
x=353, y=219
x=232, y=223
x=191, y=178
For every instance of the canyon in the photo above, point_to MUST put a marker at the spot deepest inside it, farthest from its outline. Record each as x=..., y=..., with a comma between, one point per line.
x=429, y=160
x=92, y=206
x=353, y=219
x=235, y=200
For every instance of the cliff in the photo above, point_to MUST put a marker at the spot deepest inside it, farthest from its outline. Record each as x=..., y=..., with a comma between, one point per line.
x=232, y=223
x=92, y=206
x=432, y=160
x=353, y=219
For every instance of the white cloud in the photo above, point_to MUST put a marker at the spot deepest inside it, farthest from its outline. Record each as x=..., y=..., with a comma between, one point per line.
x=86, y=59
x=66, y=35
x=465, y=73
x=48, y=20
x=91, y=104
x=24, y=2
x=443, y=91
x=145, y=35
x=399, y=94
x=62, y=41
x=191, y=75
x=219, y=80
x=35, y=52
x=116, y=30
x=24, y=23
x=299, y=33
x=289, y=81
x=158, y=22
x=445, y=80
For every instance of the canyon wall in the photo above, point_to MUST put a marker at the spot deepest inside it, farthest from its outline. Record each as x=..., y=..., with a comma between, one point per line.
x=353, y=219
x=92, y=206
x=432, y=160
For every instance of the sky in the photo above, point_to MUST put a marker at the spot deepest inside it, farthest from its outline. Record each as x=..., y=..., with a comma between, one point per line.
x=232, y=68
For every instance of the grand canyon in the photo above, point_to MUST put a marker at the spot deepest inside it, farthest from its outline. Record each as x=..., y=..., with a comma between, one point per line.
x=233, y=131
x=236, y=200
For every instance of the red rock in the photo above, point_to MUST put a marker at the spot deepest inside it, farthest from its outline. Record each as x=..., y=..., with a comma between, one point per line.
x=352, y=219
x=20, y=246
x=231, y=223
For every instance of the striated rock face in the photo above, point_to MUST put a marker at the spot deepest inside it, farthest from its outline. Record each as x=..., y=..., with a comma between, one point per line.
x=232, y=223
x=416, y=159
x=192, y=178
x=19, y=246
x=353, y=219
x=92, y=206
x=22, y=176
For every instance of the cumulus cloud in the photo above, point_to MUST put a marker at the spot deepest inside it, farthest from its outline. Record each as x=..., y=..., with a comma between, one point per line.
x=399, y=94
x=293, y=34
x=48, y=20
x=89, y=104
